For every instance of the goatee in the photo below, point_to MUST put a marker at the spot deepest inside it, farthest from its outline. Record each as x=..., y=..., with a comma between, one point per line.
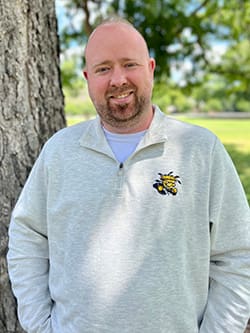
x=123, y=115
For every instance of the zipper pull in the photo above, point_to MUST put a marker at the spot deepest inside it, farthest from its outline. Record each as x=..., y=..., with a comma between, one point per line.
x=121, y=166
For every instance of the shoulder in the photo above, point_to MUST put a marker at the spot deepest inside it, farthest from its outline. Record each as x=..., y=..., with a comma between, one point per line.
x=178, y=131
x=66, y=141
x=70, y=135
x=183, y=127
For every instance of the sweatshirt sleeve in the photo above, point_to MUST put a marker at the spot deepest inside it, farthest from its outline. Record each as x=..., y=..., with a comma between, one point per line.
x=28, y=255
x=228, y=305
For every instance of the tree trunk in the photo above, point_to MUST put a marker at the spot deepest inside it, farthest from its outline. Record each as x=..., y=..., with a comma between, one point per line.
x=31, y=110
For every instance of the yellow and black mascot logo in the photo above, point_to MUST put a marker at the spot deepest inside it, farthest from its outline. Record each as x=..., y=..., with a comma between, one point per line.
x=166, y=184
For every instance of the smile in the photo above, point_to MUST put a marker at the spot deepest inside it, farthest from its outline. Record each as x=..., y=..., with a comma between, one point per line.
x=122, y=95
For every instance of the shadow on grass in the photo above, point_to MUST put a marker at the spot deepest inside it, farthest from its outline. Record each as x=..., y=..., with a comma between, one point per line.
x=242, y=163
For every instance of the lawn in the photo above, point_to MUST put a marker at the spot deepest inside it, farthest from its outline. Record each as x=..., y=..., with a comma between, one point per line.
x=230, y=131
x=235, y=135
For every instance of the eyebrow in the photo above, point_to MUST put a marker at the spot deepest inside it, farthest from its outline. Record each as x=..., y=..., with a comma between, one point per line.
x=109, y=62
x=105, y=62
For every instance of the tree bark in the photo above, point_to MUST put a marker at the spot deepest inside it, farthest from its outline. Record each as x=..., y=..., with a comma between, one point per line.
x=31, y=110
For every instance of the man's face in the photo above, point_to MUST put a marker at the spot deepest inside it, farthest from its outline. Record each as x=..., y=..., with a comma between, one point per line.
x=120, y=77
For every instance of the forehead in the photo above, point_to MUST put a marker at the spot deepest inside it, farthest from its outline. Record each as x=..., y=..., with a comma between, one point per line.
x=113, y=41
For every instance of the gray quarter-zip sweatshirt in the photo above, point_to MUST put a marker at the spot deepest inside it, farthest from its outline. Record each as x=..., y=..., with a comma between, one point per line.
x=158, y=244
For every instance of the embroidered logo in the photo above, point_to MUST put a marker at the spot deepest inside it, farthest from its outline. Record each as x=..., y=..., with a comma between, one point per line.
x=166, y=184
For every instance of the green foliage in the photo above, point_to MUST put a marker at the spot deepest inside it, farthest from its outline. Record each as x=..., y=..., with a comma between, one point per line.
x=243, y=105
x=234, y=17
x=170, y=99
x=79, y=104
x=70, y=75
x=177, y=31
x=173, y=30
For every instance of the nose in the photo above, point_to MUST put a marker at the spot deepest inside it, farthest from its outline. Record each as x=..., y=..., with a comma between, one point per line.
x=118, y=77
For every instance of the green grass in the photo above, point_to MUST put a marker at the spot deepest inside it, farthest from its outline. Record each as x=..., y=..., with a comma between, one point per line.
x=230, y=131
x=75, y=119
x=235, y=135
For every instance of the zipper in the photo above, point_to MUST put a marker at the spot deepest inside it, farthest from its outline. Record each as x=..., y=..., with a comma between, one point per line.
x=120, y=178
x=120, y=169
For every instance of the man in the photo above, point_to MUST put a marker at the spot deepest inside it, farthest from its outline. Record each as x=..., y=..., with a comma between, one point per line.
x=133, y=221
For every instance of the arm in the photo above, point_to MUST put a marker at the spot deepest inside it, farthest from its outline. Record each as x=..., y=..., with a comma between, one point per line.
x=228, y=305
x=28, y=256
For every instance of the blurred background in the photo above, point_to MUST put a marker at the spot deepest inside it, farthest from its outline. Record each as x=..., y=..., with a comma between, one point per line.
x=201, y=50
x=203, y=62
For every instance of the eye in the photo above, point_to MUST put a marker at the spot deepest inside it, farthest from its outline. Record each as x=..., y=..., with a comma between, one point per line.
x=130, y=64
x=102, y=70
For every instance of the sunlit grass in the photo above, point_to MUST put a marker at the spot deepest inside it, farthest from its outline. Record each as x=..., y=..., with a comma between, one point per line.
x=230, y=131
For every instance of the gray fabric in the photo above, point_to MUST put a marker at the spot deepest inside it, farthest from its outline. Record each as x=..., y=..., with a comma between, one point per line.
x=99, y=248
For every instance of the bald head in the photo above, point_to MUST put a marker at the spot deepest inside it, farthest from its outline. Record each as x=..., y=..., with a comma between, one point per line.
x=115, y=31
x=120, y=74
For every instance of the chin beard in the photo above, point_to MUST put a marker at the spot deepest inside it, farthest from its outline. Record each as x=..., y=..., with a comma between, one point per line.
x=123, y=115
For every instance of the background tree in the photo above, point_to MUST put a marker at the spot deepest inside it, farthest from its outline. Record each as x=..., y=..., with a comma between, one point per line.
x=173, y=29
x=31, y=109
x=183, y=36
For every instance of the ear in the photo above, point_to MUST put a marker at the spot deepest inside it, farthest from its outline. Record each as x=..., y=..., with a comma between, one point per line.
x=152, y=64
x=85, y=74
